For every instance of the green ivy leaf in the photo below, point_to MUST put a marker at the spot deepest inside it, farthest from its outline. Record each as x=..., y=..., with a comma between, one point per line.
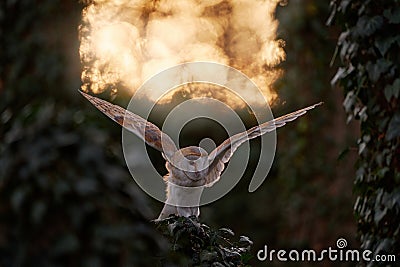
x=383, y=44
x=393, y=15
x=245, y=241
x=343, y=5
x=208, y=256
x=366, y=25
x=394, y=127
x=375, y=70
x=379, y=214
x=226, y=232
x=392, y=90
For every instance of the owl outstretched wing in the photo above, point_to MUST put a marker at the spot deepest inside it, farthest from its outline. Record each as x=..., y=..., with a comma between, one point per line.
x=145, y=130
x=223, y=153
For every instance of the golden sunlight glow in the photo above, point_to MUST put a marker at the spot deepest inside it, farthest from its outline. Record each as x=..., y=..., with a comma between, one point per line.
x=125, y=42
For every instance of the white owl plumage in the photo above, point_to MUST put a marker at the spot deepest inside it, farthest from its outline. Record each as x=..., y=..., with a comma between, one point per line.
x=190, y=166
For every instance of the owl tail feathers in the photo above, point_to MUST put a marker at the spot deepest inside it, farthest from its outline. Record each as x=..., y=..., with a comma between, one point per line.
x=180, y=211
x=181, y=201
x=167, y=211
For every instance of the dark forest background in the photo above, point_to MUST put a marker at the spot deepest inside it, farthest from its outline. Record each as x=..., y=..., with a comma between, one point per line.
x=66, y=195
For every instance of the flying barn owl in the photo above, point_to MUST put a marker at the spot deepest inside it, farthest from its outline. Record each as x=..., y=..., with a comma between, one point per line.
x=189, y=167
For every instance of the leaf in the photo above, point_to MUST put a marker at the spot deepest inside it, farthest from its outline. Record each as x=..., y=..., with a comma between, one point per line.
x=343, y=36
x=394, y=127
x=343, y=5
x=245, y=241
x=392, y=90
x=208, y=256
x=396, y=197
x=384, y=245
x=342, y=73
x=217, y=264
x=383, y=44
x=338, y=75
x=382, y=172
x=226, y=232
x=366, y=26
x=375, y=70
x=349, y=101
x=393, y=15
x=361, y=147
x=379, y=214
x=363, y=114
x=331, y=17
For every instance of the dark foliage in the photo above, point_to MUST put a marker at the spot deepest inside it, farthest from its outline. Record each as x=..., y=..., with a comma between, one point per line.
x=369, y=49
x=195, y=244
x=66, y=198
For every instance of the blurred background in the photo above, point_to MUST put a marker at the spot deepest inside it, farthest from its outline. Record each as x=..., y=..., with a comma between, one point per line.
x=66, y=195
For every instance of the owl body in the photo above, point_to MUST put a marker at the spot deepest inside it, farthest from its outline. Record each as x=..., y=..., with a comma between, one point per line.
x=185, y=181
